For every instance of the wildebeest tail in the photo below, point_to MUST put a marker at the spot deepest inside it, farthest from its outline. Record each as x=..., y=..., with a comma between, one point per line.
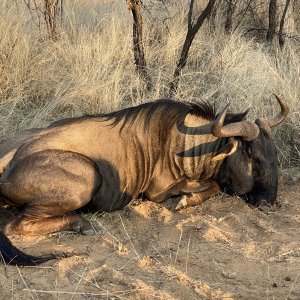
x=10, y=255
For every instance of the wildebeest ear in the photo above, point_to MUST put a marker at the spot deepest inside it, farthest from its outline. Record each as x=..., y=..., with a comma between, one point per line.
x=226, y=150
x=232, y=117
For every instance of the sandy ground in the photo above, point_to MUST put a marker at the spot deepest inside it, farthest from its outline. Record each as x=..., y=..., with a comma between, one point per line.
x=223, y=249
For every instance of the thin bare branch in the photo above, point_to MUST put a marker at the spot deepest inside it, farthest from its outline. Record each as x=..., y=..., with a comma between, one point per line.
x=192, y=31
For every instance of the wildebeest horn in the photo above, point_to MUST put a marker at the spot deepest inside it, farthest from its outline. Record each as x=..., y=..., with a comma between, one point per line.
x=246, y=129
x=282, y=115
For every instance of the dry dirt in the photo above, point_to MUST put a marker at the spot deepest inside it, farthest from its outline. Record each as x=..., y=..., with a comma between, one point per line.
x=223, y=249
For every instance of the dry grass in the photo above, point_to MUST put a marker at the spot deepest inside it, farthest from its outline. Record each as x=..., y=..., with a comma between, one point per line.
x=90, y=68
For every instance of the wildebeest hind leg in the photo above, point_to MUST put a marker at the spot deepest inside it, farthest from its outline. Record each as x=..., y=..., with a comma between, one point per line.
x=49, y=185
x=26, y=225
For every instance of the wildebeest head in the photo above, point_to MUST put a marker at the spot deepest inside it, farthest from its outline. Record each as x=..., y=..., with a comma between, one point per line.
x=251, y=169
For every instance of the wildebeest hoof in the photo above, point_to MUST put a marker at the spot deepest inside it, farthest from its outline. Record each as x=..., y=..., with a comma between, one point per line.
x=88, y=232
x=182, y=203
x=264, y=203
x=84, y=227
x=266, y=207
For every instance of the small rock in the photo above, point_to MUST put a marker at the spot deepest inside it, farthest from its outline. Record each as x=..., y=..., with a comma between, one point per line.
x=275, y=285
x=288, y=278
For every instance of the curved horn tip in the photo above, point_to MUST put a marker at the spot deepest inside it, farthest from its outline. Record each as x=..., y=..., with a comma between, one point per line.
x=223, y=113
x=282, y=115
x=283, y=105
x=216, y=127
x=224, y=110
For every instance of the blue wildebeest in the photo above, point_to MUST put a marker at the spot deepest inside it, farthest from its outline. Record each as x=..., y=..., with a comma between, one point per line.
x=154, y=150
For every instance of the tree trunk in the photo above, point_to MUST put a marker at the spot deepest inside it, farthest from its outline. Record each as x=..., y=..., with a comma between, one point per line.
x=272, y=20
x=192, y=31
x=137, y=35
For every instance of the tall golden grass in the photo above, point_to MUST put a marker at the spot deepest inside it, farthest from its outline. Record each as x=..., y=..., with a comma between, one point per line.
x=90, y=69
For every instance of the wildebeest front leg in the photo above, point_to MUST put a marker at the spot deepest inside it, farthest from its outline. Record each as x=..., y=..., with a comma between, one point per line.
x=206, y=190
x=49, y=185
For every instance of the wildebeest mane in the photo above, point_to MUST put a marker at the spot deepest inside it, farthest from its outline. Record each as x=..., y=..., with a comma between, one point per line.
x=168, y=111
